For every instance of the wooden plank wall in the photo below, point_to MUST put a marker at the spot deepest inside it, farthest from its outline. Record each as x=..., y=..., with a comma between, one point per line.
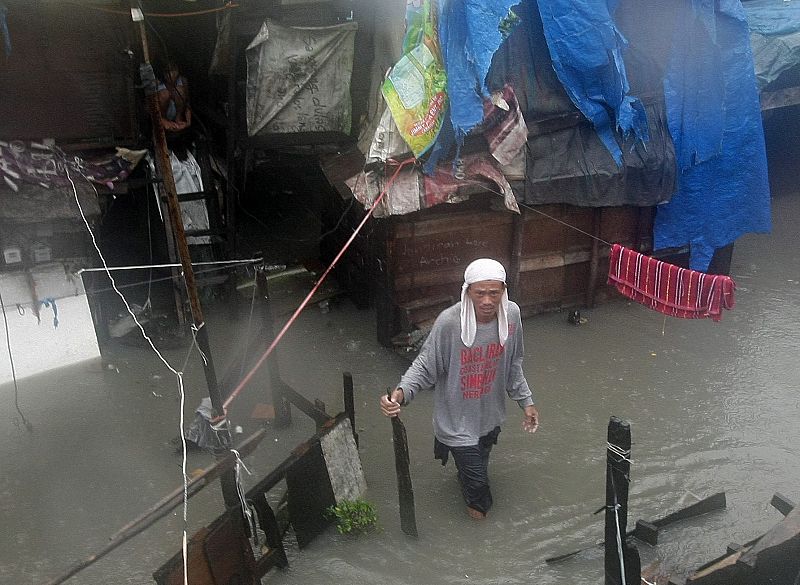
x=69, y=75
x=425, y=255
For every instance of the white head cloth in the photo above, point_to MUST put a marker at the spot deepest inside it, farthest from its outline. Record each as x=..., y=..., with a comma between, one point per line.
x=477, y=271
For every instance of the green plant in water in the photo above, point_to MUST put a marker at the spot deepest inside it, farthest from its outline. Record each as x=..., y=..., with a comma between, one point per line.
x=353, y=516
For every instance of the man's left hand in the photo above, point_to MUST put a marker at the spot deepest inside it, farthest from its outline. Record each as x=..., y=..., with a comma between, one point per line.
x=531, y=421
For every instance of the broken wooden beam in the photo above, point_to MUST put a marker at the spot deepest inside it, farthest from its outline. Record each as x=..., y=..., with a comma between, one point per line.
x=780, y=544
x=710, y=504
x=647, y=531
x=782, y=504
x=165, y=506
x=405, y=490
x=772, y=558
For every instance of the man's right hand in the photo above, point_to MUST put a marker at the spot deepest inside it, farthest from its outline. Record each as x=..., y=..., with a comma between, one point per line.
x=392, y=407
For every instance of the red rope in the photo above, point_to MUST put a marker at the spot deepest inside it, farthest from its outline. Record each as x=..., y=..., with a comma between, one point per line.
x=292, y=319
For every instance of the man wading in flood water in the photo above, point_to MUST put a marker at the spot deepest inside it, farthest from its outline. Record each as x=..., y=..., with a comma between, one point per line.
x=472, y=359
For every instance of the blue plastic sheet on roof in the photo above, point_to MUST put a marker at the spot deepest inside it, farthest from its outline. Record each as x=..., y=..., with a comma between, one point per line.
x=469, y=33
x=714, y=117
x=773, y=17
x=586, y=48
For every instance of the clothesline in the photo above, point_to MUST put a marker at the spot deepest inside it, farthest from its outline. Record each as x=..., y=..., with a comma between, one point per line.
x=227, y=6
x=172, y=265
x=528, y=207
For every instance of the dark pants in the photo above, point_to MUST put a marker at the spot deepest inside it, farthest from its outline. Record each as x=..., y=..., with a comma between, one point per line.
x=472, y=463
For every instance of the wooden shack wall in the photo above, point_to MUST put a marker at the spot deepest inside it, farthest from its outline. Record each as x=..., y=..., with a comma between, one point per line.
x=69, y=75
x=422, y=256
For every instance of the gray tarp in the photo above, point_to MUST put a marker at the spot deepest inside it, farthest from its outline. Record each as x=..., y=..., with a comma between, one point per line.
x=772, y=55
x=35, y=204
x=298, y=79
x=566, y=162
x=573, y=166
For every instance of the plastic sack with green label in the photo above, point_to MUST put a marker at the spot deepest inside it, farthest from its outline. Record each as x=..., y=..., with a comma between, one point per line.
x=416, y=88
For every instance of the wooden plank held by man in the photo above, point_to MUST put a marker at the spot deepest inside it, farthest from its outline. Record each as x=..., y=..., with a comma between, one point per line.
x=408, y=518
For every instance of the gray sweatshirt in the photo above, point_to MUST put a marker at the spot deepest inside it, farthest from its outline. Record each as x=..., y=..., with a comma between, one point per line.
x=470, y=383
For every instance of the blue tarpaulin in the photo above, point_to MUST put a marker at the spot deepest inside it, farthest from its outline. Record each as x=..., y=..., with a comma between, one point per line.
x=469, y=33
x=587, y=48
x=714, y=117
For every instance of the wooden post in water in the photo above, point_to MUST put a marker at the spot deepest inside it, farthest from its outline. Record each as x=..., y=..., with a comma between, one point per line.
x=283, y=411
x=594, y=265
x=349, y=403
x=622, y=564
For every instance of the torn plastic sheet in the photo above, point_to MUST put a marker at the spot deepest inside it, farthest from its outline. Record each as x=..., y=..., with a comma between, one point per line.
x=469, y=31
x=714, y=117
x=587, y=48
x=412, y=191
x=774, y=54
x=416, y=88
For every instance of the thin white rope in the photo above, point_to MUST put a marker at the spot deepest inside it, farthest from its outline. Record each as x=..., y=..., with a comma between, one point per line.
x=248, y=513
x=195, y=330
x=646, y=582
x=530, y=208
x=619, y=545
x=178, y=375
x=111, y=278
x=184, y=537
x=619, y=452
x=171, y=265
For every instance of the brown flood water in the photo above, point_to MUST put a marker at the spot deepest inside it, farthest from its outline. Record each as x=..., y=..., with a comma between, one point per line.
x=712, y=407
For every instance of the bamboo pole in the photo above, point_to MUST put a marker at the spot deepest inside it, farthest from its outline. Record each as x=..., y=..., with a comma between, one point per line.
x=165, y=168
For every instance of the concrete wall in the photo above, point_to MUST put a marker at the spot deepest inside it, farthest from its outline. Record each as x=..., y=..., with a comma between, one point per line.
x=38, y=345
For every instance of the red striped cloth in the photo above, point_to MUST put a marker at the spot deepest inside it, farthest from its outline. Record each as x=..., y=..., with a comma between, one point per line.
x=667, y=288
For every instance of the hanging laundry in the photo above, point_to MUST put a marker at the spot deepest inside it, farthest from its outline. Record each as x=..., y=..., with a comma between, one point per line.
x=667, y=288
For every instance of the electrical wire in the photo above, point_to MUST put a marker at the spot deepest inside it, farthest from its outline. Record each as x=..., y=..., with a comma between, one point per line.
x=240, y=386
x=227, y=6
x=226, y=263
x=25, y=421
x=178, y=374
x=533, y=209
